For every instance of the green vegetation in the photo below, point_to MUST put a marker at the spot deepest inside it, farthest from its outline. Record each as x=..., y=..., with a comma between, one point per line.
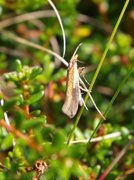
x=39, y=141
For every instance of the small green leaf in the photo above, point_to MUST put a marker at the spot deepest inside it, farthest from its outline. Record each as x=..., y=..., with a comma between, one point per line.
x=11, y=76
x=2, y=176
x=36, y=97
x=12, y=101
x=125, y=132
x=36, y=113
x=7, y=142
x=59, y=138
x=17, y=152
x=35, y=72
x=19, y=118
x=35, y=122
x=18, y=65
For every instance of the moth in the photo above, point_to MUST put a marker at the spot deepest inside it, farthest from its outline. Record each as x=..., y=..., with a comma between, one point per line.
x=73, y=96
x=73, y=92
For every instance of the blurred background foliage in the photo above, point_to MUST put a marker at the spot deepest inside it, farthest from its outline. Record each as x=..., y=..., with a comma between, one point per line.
x=32, y=84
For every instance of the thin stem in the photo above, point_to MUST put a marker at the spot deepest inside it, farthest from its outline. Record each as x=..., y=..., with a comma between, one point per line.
x=33, y=45
x=111, y=102
x=26, y=17
x=116, y=160
x=108, y=45
x=98, y=69
x=100, y=138
x=61, y=25
x=18, y=134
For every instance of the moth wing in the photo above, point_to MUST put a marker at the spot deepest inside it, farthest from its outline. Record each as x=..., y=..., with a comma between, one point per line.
x=70, y=106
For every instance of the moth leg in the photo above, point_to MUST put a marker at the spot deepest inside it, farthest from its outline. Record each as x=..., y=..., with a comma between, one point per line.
x=81, y=101
x=83, y=89
x=89, y=94
x=86, y=80
x=80, y=69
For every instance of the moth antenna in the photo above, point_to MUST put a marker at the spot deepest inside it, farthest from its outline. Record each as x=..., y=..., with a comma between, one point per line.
x=61, y=25
x=76, y=49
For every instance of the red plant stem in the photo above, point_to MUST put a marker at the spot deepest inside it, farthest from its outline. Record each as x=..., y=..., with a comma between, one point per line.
x=26, y=110
x=18, y=134
x=116, y=160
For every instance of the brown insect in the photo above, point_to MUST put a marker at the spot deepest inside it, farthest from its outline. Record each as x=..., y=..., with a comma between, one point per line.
x=73, y=89
x=73, y=93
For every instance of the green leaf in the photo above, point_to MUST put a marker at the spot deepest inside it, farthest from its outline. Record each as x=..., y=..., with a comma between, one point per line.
x=2, y=176
x=36, y=97
x=19, y=118
x=36, y=113
x=59, y=138
x=11, y=76
x=7, y=142
x=12, y=101
x=18, y=65
x=35, y=72
x=125, y=132
x=35, y=122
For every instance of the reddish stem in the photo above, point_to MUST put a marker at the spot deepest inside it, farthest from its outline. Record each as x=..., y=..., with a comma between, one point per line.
x=18, y=134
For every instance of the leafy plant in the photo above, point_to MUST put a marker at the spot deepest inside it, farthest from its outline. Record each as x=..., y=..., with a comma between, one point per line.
x=37, y=141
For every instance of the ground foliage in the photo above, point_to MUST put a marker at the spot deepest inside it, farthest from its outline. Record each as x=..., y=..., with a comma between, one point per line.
x=32, y=85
